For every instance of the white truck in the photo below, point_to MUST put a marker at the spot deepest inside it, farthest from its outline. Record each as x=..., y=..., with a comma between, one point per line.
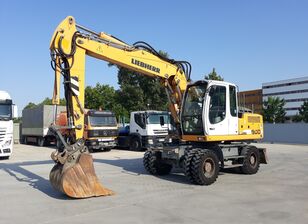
x=145, y=130
x=8, y=111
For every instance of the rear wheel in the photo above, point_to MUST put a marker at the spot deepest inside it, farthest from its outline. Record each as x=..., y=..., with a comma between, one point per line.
x=135, y=144
x=154, y=164
x=204, y=167
x=25, y=141
x=106, y=149
x=41, y=141
x=251, y=162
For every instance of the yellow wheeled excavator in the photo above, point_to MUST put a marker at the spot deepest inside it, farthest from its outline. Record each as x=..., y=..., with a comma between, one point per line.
x=213, y=132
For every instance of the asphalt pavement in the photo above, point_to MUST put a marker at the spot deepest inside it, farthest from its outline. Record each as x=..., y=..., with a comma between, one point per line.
x=276, y=194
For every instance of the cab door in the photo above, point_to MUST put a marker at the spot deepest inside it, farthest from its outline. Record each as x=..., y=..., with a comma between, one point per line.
x=216, y=114
x=233, y=118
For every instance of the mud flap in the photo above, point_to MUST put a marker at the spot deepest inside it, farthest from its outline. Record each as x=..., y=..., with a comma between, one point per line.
x=263, y=156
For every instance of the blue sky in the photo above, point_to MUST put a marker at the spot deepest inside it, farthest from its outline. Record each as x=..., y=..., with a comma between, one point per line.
x=248, y=42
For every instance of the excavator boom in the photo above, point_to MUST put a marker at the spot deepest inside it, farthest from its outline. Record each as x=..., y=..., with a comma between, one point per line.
x=73, y=173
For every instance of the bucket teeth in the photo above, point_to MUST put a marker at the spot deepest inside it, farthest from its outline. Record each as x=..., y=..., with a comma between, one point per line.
x=78, y=180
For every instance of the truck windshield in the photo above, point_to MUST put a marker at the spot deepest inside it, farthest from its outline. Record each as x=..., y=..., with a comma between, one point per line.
x=193, y=106
x=5, y=111
x=97, y=121
x=155, y=118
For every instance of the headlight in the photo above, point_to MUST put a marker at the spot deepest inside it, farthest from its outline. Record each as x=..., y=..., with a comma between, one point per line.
x=150, y=141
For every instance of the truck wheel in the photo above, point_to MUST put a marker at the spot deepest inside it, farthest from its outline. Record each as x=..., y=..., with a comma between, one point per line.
x=204, y=167
x=154, y=165
x=59, y=145
x=41, y=141
x=25, y=141
x=106, y=149
x=135, y=144
x=251, y=162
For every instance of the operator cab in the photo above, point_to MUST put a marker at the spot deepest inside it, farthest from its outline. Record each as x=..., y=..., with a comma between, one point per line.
x=210, y=108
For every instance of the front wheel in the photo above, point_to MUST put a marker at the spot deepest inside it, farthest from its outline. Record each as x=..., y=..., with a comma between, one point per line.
x=41, y=141
x=135, y=144
x=204, y=167
x=153, y=163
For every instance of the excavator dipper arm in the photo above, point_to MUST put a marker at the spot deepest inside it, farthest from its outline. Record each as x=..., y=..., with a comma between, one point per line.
x=73, y=173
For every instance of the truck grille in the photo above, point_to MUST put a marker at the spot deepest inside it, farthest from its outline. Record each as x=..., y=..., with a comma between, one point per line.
x=2, y=133
x=161, y=132
x=103, y=133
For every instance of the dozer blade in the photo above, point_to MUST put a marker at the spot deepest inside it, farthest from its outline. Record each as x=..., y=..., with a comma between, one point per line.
x=78, y=180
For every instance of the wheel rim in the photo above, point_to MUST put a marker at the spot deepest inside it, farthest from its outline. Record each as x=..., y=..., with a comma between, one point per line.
x=135, y=144
x=208, y=167
x=253, y=160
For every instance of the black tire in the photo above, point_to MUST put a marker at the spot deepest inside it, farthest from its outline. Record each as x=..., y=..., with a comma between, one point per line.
x=204, y=167
x=154, y=165
x=25, y=141
x=106, y=149
x=251, y=161
x=41, y=141
x=90, y=149
x=189, y=153
x=135, y=144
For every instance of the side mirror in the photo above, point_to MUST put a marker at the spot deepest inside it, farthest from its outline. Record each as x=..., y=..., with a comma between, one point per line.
x=15, y=111
x=162, y=120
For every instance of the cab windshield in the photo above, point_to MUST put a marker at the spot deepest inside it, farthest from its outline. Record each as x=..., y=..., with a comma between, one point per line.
x=5, y=111
x=155, y=118
x=96, y=121
x=191, y=117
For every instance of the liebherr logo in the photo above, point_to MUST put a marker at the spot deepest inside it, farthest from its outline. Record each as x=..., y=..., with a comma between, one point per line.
x=145, y=65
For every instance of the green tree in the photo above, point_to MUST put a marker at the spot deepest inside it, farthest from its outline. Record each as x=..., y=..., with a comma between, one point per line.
x=30, y=105
x=48, y=101
x=138, y=92
x=273, y=110
x=297, y=118
x=303, y=111
x=213, y=76
x=100, y=97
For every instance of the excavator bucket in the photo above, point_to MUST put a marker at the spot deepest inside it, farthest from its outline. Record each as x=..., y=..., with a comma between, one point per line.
x=78, y=180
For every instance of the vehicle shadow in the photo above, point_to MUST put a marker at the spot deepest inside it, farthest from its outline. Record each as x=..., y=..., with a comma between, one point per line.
x=35, y=181
x=135, y=167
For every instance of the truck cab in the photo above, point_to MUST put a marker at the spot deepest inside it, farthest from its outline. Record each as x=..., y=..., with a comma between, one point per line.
x=101, y=130
x=145, y=129
x=8, y=111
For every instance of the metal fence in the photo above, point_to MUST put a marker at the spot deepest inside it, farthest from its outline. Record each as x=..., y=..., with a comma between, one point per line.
x=296, y=133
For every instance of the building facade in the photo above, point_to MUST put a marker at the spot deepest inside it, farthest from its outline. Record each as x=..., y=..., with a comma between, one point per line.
x=251, y=100
x=293, y=91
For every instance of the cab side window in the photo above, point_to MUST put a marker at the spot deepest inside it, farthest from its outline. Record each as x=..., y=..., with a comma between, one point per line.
x=140, y=120
x=217, y=110
x=233, y=107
